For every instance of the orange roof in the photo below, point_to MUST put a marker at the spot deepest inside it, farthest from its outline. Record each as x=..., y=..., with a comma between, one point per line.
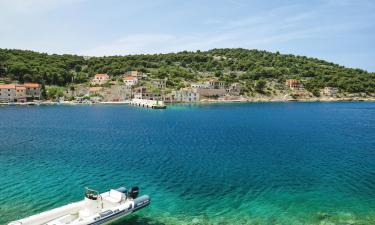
x=7, y=86
x=102, y=75
x=128, y=78
x=95, y=89
x=20, y=87
x=31, y=85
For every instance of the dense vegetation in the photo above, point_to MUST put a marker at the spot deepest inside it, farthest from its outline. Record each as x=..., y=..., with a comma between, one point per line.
x=229, y=65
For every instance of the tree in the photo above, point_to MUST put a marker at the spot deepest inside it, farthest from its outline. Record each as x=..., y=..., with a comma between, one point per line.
x=230, y=65
x=260, y=85
x=55, y=92
x=44, y=91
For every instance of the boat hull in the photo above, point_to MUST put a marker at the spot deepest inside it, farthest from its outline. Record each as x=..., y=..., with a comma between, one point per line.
x=87, y=212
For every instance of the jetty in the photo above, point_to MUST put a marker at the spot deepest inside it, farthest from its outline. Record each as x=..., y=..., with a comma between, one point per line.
x=153, y=104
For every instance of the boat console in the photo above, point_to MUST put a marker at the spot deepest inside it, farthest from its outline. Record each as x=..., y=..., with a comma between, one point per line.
x=91, y=194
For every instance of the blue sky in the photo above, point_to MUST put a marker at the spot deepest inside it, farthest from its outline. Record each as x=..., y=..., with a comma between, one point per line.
x=340, y=31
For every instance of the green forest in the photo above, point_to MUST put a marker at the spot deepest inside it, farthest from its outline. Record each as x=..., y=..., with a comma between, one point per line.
x=228, y=65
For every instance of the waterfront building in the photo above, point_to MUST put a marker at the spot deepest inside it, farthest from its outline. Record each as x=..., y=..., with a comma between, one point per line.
x=130, y=80
x=7, y=92
x=21, y=93
x=143, y=93
x=185, y=95
x=100, y=79
x=33, y=91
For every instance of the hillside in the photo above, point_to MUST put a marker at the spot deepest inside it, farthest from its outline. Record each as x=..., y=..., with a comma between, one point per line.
x=253, y=68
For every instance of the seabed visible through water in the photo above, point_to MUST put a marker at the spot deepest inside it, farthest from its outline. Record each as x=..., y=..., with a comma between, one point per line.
x=256, y=163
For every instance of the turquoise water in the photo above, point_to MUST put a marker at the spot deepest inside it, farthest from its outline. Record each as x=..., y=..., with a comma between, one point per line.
x=260, y=163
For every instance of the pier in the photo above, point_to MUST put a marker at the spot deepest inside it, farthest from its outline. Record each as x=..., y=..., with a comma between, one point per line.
x=154, y=104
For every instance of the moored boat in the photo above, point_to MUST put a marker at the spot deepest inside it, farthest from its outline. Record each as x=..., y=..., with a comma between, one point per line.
x=94, y=209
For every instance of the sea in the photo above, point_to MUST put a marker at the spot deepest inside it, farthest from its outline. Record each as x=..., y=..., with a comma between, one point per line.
x=239, y=163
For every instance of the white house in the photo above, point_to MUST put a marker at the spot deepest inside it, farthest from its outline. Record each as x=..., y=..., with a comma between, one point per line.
x=130, y=80
x=136, y=74
x=100, y=79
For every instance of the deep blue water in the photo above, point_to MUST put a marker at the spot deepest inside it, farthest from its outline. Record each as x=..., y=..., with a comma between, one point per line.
x=259, y=163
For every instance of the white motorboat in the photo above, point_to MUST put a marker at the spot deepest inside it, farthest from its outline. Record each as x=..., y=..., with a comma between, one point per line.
x=95, y=209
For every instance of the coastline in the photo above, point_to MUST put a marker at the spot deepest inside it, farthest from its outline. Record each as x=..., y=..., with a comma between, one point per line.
x=205, y=101
x=265, y=100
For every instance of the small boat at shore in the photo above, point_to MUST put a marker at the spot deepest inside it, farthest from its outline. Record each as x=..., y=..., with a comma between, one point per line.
x=94, y=209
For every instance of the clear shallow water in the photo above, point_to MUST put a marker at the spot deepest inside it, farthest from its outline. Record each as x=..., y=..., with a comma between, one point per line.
x=263, y=163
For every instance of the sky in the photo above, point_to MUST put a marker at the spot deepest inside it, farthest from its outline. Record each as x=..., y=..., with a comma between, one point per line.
x=339, y=31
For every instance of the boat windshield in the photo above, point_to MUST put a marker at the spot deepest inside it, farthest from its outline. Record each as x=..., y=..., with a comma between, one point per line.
x=91, y=194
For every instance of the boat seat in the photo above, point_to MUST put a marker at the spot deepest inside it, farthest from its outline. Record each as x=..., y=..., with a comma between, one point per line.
x=114, y=196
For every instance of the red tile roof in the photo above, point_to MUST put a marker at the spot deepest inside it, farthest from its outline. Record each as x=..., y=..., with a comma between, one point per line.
x=128, y=78
x=20, y=87
x=31, y=85
x=102, y=75
x=7, y=86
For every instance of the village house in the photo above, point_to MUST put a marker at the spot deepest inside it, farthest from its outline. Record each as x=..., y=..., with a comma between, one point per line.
x=159, y=83
x=185, y=95
x=21, y=93
x=143, y=93
x=215, y=84
x=130, y=80
x=294, y=84
x=100, y=79
x=330, y=91
x=7, y=92
x=139, y=75
x=33, y=91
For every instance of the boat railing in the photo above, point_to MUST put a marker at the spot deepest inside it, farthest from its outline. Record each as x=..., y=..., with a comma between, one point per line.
x=94, y=195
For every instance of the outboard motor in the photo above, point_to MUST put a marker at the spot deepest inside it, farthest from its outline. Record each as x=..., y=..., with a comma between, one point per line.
x=133, y=192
